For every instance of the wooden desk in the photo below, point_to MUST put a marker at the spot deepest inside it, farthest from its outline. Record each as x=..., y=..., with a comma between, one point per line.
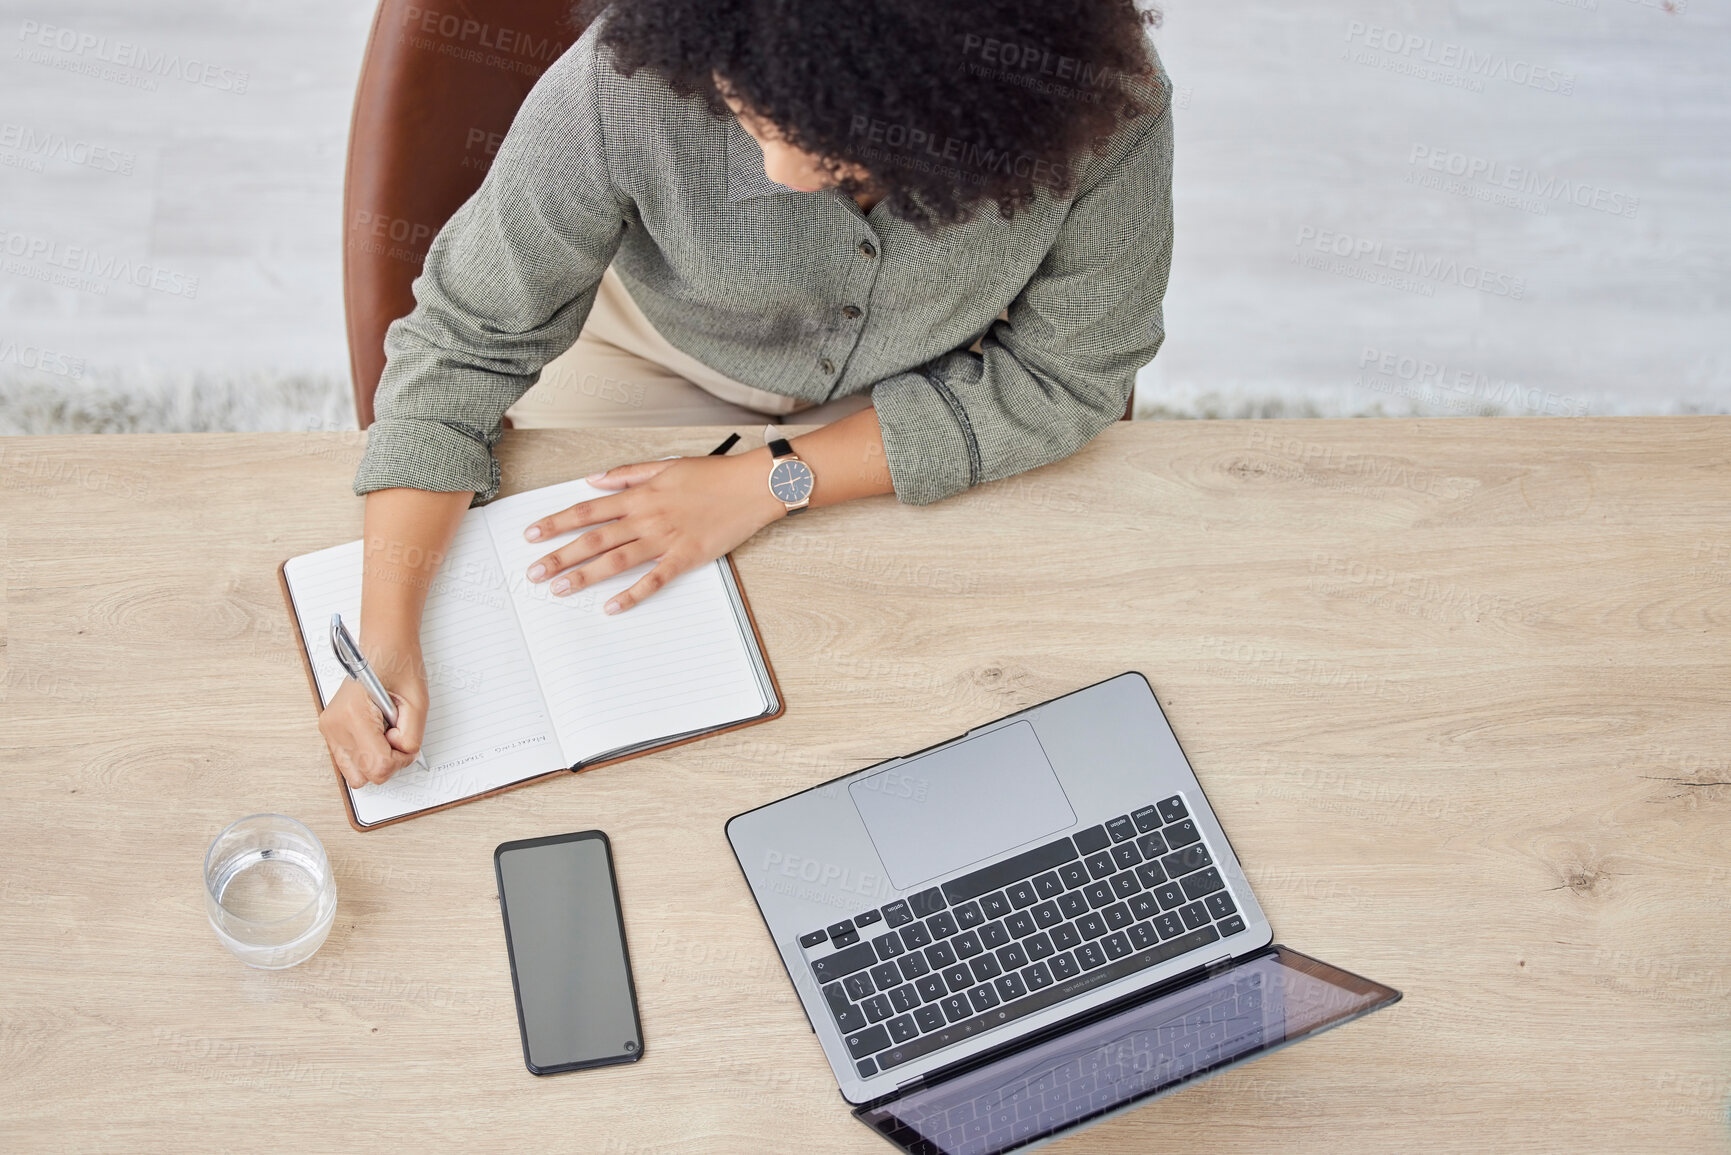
x=1457, y=689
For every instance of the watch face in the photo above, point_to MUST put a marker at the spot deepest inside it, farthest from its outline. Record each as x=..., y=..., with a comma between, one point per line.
x=790, y=481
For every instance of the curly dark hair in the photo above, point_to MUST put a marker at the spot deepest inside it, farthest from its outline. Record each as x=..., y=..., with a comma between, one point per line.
x=947, y=104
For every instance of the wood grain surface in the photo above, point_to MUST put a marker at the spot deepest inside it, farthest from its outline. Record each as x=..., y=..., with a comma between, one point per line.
x=1458, y=691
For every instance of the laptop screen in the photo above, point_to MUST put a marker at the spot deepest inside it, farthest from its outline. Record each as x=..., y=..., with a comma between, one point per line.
x=1261, y=1003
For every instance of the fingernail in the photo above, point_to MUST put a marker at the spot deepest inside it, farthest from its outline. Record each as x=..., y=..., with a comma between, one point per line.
x=533, y=533
x=612, y=607
x=596, y=476
x=537, y=572
x=561, y=586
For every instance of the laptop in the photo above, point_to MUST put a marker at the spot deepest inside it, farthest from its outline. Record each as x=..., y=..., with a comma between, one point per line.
x=1021, y=931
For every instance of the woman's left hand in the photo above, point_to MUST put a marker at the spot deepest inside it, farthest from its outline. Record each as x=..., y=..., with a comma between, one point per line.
x=686, y=512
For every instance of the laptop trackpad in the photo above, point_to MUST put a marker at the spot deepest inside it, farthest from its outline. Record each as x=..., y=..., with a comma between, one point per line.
x=956, y=806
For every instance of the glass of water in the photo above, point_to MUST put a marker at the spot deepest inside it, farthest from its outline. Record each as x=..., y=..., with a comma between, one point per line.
x=269, y=891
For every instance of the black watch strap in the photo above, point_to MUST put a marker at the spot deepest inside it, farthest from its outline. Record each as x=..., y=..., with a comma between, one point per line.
x=780, y=448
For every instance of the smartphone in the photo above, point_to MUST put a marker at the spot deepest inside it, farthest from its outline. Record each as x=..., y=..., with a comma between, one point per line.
x=565, y=937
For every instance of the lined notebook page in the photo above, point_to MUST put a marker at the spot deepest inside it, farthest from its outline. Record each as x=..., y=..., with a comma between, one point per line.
x=676, y=664
x=487, y=723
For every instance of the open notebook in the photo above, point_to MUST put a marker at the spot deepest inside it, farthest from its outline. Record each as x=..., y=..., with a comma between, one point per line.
x=522, y=684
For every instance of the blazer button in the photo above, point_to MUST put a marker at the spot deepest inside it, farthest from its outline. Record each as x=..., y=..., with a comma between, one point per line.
x=826, y=365
x=868, y=250
x=851, y=312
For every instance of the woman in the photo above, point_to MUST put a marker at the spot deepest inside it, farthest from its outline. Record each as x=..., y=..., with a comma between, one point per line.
x=939, y=228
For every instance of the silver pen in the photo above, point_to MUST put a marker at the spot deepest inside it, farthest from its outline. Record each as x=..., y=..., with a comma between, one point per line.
x=355, y=664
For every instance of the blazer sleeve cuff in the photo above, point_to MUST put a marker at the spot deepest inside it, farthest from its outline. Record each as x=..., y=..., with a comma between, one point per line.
x=929, y=441
x=417, y=453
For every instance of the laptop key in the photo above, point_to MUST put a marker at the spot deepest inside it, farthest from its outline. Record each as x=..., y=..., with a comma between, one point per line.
x=956, y=1009
x=867, y=1042
x=1169, y=896
x=858, y=987
x=1121, y=828
x=1181, y=834
x=1022, y=894
x=897, y=913
x=844, y=962
x=1151, y=845
x=940, y=955
x=983, y=997
x=904, y=998
x=1047, y=915
x=942, y=925
x=1073, y=874
x=1116, y=945
x=1092, y=839
x=836, y=997
x=1205, y=882
x=1010, y=987
x=877, y=1008
x=1038, y=946
x=1143, y=935
x=1020, y=924
x=1150, y=874
x=815, y=938
x=1146, y=819
x=866, y=918
x=994, y=935
x=1191, y=858
x=1092, y=925
x=1049, y=885
x=888, y=945
x=1194, y=915
x=995, y=904
x=850, y=1018
x=885, y=976
x=1219, y=904
x=1143, y=906
x=929, y=1018
x=930, y=988
x=1064, y=966
x=915, y=935
x=986, y=967
x=1089, y=955
x=967, y=944
x=1037, y=976
x=926, y=902
x=867, y=1068
x=1024, y=865
x=1125, y=855
x=1173, y=809
x=1013, y=957
x=1099, y=894
x=1101, y=864
x=1118, y=916
x=913, y=965
x=903, y=1028
x=846, y=938
x=1126, y=884
x=1169, y=925
x=959, y=978
x=1231, y=926
x=969, y=915
x=1074, y=904
x=1066, y=936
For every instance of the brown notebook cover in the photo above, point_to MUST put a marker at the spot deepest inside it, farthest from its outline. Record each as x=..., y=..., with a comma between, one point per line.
x=349, y=803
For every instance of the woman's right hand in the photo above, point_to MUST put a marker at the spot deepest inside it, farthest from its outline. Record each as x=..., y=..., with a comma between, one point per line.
x=364, y=751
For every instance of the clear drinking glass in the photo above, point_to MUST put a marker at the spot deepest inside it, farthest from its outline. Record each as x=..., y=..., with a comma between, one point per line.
x=269, y=891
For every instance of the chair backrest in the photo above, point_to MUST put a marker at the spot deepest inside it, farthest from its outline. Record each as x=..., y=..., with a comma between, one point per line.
x=440, y=82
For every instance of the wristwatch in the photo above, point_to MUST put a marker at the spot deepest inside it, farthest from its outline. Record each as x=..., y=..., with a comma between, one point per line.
x=790, y=479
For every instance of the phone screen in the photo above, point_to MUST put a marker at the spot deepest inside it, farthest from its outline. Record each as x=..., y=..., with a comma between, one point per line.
x=576, y=1004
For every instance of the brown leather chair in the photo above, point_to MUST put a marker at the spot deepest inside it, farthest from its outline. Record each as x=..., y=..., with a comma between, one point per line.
x=440, y=82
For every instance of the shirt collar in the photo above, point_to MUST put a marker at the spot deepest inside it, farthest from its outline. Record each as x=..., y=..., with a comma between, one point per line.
x=745, y=177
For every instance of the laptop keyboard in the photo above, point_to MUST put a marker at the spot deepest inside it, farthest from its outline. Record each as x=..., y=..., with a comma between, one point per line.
x=935, y=968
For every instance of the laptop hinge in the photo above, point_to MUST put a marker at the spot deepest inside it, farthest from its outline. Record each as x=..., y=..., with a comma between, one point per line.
x=1217, y=965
